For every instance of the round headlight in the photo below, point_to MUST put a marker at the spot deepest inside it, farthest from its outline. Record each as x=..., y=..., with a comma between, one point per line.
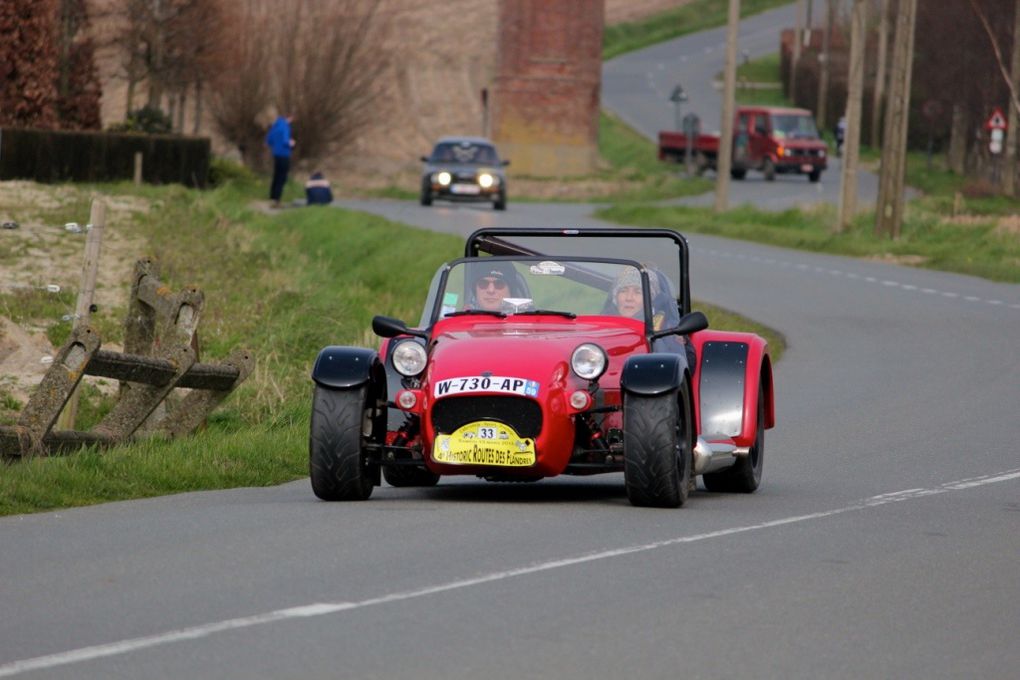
x=588, y=361
x=485, y=180
x=409, y=358
x=443, y=178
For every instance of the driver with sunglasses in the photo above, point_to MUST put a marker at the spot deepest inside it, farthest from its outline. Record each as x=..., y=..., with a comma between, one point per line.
x=490, y=287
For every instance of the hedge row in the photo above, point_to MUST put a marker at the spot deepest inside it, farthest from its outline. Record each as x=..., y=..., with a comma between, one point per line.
x=60, y=156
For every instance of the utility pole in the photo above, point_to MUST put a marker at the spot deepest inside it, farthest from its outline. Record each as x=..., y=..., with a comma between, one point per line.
x=876, y=104
x=889, y=209
x=1010, y=180
x=825, y=59
x=724, y=158
x=852, y=139
x=798, y=31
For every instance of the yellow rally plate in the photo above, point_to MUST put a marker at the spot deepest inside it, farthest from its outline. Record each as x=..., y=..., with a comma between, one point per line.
x=484, y=442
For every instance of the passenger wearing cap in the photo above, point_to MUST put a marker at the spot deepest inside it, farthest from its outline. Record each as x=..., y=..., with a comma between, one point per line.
x=490, y=287
x=626, y=293
x=627, y=299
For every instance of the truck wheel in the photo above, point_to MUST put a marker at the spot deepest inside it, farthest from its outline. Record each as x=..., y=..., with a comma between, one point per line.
x=814, y=175
x=738, y=174
x=426, y=196
x=404, y=476
x=769, y=168
x=745, y=475
x=656, y=449
x=337, y=464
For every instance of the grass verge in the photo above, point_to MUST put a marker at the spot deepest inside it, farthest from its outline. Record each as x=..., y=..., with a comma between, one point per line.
x=689, y=18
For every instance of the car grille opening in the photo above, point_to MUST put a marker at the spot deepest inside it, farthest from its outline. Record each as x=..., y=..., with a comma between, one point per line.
x=522, y=414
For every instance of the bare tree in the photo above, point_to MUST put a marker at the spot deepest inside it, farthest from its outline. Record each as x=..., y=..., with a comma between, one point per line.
x=332, y=89
x=880, y=73
x=851, y=143
x=78, y=88
x=320, y=62
x=165, y=44
x=241, y=84
x=889, y=207
x=1008, y=177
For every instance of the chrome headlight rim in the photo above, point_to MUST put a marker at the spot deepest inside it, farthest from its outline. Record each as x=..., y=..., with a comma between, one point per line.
x=589, y=361
x=409, y=358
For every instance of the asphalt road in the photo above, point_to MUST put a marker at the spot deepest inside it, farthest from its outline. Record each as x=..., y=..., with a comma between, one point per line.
x=883, y=543
x=637, y=87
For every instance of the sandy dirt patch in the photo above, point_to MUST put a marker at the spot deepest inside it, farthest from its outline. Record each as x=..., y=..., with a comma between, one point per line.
x=43, y=253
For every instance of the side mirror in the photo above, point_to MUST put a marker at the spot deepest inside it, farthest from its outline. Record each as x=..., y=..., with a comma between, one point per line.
x=506, y=163
x=386, y=327
x=424, y=159
x=691, y=323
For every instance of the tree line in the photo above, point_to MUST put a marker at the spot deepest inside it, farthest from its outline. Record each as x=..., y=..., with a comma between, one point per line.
x=229, y=63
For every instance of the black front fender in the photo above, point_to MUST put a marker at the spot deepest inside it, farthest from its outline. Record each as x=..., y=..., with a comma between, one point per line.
x=346, y=367
x=653, y=374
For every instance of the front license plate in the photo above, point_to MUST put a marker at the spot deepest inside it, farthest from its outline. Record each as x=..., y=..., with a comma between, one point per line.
x=466, y=189
x=484, y=442
x=807, y=167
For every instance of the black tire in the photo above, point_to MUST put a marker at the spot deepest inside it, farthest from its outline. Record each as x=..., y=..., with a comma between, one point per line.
x=426, y=196
x=738, y=174
x=405, y=476
x=745, y=475
x=656, y=449
x=500, y=202
x=814, y=175
x=769, y=168
x=337, y=465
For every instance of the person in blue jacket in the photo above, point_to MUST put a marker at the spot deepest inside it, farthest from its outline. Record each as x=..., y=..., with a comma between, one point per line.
x=317, y=190
x=280, y=144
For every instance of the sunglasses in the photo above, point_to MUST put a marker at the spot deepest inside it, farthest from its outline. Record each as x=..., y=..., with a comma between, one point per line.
x=498, y=284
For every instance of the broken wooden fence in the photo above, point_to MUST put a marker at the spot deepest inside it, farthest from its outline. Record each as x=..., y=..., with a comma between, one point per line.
x=159, y=355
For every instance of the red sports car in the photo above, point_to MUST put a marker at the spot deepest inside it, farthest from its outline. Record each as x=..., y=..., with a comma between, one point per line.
x=545, y=352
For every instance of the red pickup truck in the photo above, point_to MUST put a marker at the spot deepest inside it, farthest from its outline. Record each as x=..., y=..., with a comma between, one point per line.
x=766, y=138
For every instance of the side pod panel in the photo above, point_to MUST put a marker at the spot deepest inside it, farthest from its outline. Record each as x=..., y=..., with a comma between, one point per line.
x=345, y=367
x=652, y=374
x=731, y=369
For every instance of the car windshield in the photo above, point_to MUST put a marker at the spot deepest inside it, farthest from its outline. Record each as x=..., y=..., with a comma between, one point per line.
x=568, y=287
x=464, y=152
x=794, y=126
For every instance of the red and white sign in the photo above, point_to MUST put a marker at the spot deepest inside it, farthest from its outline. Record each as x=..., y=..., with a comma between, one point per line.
x=996, y=125
x=997, y=121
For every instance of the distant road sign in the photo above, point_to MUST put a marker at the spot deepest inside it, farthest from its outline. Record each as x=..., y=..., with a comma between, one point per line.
x=997, y=121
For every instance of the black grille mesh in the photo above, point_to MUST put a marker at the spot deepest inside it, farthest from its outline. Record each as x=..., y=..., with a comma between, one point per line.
x=522, y=414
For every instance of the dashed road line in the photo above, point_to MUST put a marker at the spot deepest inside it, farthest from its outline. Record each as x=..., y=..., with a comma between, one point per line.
x=859, y=277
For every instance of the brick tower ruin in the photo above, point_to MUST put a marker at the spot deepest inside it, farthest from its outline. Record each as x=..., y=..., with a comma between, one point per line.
x=545, y=114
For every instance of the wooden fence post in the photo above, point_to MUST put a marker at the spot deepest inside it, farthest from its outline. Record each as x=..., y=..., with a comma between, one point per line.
x=86, y=292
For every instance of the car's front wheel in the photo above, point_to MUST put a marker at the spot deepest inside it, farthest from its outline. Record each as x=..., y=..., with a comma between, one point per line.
x=500, y=202
x=341, y=424
x=769, y=169
x=656, y=449
x=426, y=196
x=745, y=475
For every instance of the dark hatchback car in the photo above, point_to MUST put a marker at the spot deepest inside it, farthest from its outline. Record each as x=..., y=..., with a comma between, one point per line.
x=464, y=169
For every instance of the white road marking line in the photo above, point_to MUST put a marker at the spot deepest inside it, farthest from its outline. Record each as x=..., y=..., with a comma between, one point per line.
x=325, y=608
x=869, y=279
